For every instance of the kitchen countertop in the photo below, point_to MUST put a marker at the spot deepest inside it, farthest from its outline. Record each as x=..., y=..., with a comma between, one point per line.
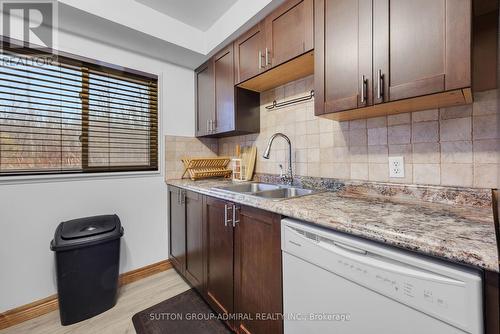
x=457, y=233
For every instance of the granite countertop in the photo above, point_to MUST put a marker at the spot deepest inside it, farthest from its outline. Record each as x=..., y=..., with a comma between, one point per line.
x=457, y=233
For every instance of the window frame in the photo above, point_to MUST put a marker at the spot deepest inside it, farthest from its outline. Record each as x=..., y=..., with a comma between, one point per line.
x=103, y=68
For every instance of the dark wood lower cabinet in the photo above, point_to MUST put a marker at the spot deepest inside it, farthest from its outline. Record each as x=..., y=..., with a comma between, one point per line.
x=186, y=235
x=219, y=256
x=194, y=263
x=231, y=255
x=243, y=256
x=492, y=302
x=177, y=228
x=257, y=272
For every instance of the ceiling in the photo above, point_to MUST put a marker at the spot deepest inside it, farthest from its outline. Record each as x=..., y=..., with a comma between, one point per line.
x=174, y=27
x=198, y=14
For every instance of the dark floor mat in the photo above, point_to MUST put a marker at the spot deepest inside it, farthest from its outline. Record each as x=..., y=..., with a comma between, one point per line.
x=184, y=313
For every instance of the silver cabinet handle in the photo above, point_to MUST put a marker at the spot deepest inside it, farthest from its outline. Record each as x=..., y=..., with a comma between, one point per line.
x=363, y=87
x=225, y=215
x=380, y=88
x=214, y=125
x=267, y=57
x=183, y=197
x=260, y=59
x=208, y=125
x=211, y=125
x=179, y=196
x=228, y=207
x=234, y=215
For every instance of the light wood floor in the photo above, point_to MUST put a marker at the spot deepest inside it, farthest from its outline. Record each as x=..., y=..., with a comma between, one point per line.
x=132, y=298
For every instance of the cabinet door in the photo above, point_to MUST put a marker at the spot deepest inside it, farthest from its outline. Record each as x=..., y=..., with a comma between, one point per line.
x=219, y=256
x=289, y=32
x=177, y=228
x=249, y=53
x=194, y=271
x=205, y=99
x=422, y=47
x=492, y=302
x=258, y=283
x=347, y=34
x=224, y=90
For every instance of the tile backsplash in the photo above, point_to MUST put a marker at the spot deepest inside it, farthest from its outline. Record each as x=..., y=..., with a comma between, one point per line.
x=177, y=147
x=458, y=146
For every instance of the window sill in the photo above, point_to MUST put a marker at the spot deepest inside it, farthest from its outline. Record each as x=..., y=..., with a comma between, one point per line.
x=74, y=177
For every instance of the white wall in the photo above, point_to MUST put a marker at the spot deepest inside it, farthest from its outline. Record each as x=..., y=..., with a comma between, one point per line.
x=31, y=210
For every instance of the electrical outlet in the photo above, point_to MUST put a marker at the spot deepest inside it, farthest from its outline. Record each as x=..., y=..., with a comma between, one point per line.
x=396, y=167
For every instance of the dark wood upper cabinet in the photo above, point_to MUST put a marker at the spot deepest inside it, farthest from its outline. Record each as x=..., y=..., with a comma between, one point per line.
x=177, y=228
x=289, y=32
x=485, y=45
x=424, y=56
x=257, y=272
x=249, y=53
x=194, y=263
x=224, y=105
x=347, y=59
x=223, y=109
x=285, y=34
x=224, y=90
x=219, y=256
x=205, y=99
x=370, y=55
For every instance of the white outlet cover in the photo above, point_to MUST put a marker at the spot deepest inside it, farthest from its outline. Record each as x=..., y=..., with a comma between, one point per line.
x=396, y=167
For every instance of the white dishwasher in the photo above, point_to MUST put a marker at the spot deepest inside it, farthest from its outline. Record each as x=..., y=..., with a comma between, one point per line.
x=334, y=283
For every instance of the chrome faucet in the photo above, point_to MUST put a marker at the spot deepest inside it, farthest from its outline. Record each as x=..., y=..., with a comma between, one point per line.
x=288, y=177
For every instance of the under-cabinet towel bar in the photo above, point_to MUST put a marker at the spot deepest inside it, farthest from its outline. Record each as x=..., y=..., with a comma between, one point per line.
x=292, y=101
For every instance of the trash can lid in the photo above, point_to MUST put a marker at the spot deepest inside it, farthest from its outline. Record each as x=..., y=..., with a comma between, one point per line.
x=85, y=232
x=85, y=227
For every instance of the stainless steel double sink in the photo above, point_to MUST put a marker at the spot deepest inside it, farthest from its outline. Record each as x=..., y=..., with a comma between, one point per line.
x=266, y=190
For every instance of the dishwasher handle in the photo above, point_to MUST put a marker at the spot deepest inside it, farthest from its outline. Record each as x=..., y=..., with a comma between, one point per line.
x=350, y=248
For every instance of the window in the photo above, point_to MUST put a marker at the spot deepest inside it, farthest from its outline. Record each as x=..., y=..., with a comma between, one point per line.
x=74, y=116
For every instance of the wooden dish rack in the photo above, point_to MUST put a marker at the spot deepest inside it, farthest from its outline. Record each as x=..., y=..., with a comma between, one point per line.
x=202, y=168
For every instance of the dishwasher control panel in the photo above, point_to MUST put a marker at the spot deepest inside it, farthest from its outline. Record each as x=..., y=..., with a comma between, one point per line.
x=410, y=289
x=444, y=292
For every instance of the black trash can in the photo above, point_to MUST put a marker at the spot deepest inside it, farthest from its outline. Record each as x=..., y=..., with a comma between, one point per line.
x=87, y=252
